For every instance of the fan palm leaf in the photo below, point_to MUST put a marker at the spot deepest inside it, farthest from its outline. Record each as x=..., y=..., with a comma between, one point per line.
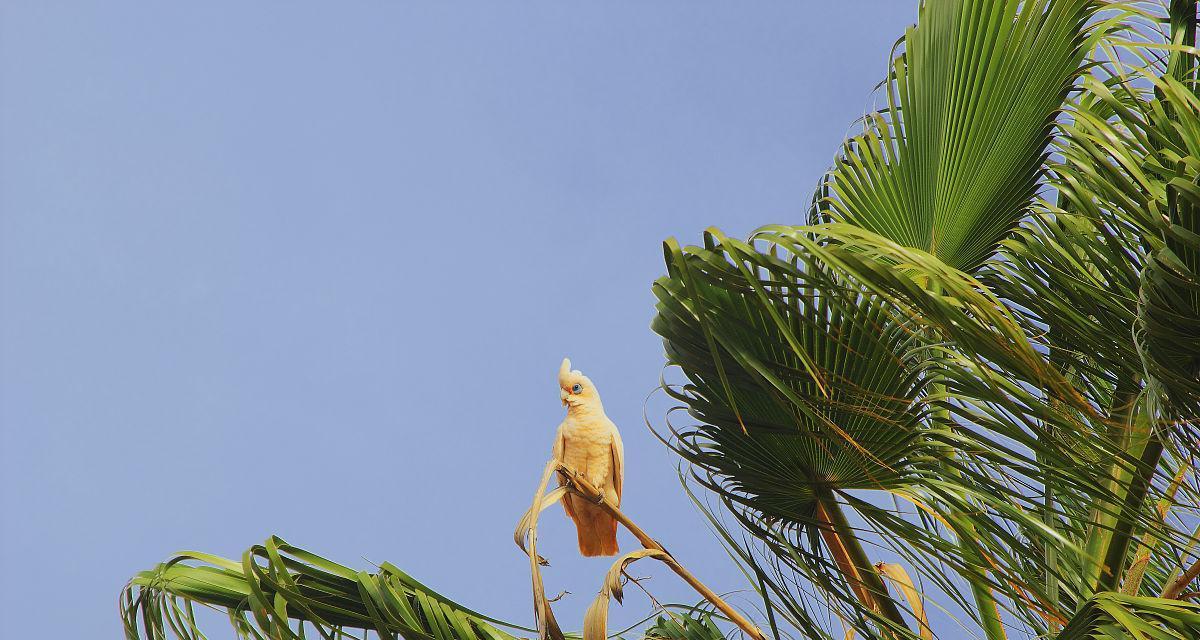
x=775, y=444
x=747, y=329
x=951, y=164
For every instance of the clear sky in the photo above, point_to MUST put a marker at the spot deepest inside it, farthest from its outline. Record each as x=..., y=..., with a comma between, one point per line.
x=308, y=269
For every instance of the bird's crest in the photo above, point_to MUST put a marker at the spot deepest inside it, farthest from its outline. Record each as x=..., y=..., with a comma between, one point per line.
x=564, y=372
x=568, y=377
x=574, y=387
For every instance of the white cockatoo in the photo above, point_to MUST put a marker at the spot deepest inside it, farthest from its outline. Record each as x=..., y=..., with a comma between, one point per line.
x=588, y=442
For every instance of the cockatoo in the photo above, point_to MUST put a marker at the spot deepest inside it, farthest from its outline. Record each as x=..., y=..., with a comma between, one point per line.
x=588, y=442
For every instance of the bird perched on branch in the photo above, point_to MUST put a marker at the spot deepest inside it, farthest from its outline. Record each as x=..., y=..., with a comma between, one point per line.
x=588, y=442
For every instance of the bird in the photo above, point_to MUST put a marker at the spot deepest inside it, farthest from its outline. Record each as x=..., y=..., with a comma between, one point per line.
x=589, y=442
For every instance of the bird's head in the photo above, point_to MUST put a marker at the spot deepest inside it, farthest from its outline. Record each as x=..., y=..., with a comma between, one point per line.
x=574, y=388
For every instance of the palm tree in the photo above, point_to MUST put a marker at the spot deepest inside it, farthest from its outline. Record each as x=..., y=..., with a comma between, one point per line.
x=978, y=361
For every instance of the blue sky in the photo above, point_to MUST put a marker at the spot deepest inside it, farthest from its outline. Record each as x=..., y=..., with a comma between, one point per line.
x=308, y=269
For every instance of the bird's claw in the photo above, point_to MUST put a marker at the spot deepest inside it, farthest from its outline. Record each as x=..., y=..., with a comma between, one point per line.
x=600, y=499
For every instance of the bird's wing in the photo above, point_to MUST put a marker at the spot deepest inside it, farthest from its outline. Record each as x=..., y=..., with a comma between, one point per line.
x=618, y=465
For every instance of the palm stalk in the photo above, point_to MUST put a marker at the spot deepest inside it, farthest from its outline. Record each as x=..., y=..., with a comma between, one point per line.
x=856, y=566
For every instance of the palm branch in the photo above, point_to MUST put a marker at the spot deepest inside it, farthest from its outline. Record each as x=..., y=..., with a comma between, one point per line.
x=280, y=591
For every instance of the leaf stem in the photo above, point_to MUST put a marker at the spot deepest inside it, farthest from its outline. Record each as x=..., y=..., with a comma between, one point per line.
x=852, y=559
x=1118, y=548
x=1175, y=588
x=1126, y=433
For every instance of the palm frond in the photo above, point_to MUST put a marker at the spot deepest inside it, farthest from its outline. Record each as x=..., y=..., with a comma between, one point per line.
x=279, y=591
x=1114, y=616
x=681, y=626
x=747, y=328
x=951, y=163
x=771, y=442
x=1104, y=276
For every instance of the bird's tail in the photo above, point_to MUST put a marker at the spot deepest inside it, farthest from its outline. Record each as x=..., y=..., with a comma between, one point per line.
x=598, y=535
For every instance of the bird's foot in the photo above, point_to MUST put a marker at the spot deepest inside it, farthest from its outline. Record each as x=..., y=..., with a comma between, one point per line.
x=600, y=499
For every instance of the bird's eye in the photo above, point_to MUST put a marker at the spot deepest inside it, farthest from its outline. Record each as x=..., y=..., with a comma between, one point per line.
x=577, y=389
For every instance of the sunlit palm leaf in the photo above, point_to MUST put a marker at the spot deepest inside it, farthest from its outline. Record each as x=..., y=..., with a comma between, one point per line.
x=951, y=164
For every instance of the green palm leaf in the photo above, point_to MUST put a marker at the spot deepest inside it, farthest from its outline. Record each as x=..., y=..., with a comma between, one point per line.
x=1113, y=616
x=1110, y=268
x=952, y=162
x=1169, y=306
x=277, y=591
x=807, y=384
x=801, y=389
x=798, y=382
x=1106, y=273
x=680, y=626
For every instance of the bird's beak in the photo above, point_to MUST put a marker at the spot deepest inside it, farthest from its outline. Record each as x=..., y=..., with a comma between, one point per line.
x=562, y=395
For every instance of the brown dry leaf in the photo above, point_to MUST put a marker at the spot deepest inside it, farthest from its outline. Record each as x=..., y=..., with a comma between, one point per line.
x=595, y=621
x=548, y=628
x=521, y=535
